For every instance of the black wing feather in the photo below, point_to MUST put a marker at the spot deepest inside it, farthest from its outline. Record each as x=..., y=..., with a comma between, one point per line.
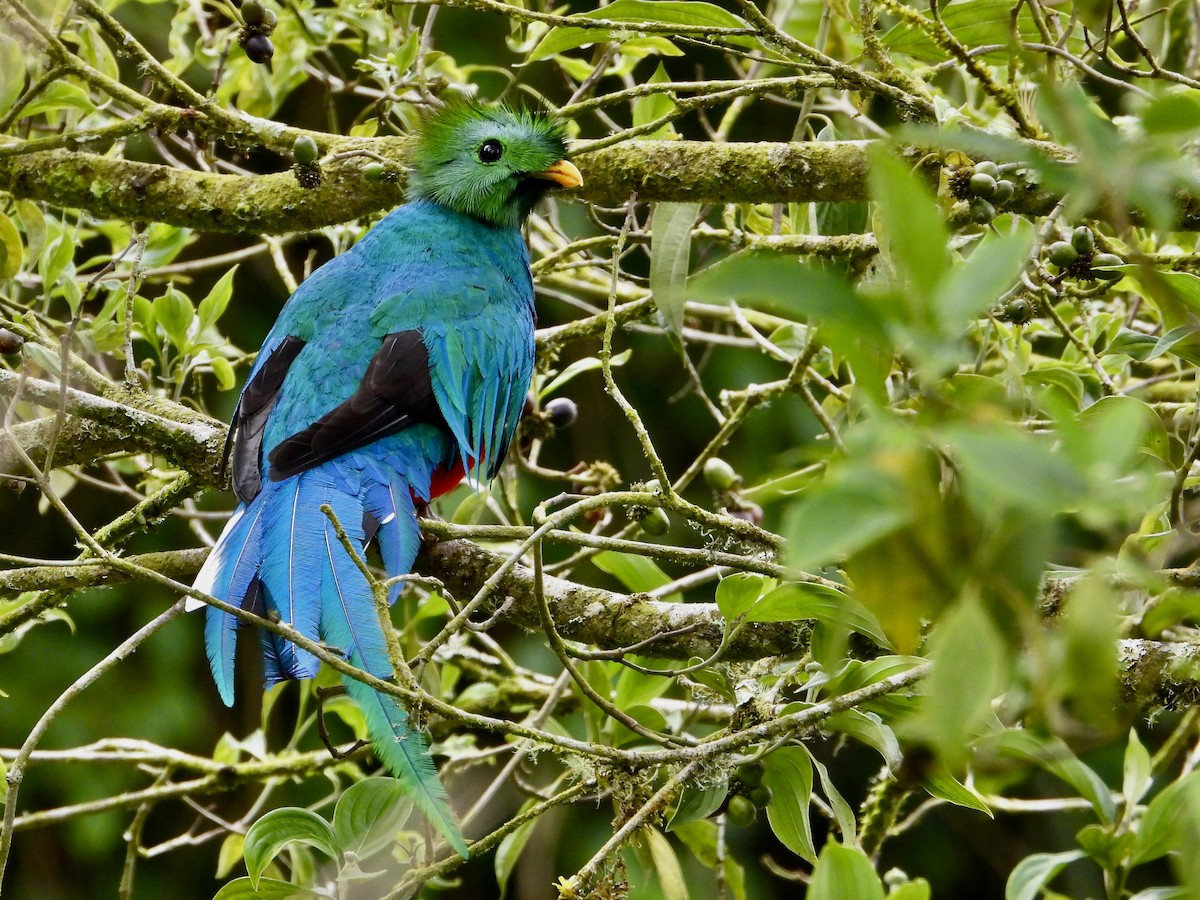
x=250, y=417
x=395, y=393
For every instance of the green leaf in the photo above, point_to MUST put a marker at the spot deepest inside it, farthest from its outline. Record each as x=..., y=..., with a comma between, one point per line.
x=946, y=787
x=266, y=889
x=912, y=232
x=670, y=12
x=701, y=839
x=1010, y=469
x=868, y=728
x=369, y=814
x=580, y=366
x=652, y=107
x=11, y=249
x=698, y=801
x=670, y=252
x=12, y=71
x=1116, y=427
x=213, y=305
x=55, y=259
x=281, y=827
x=1173, y=112
x=1034, y=872
x=223, y=370
x=969, y=670
x=510, y=851
x=230, y=854
x=60, y=94
x=852, y=328
x=843, y=872
x=803, y=600
x=173, y=311
x=666, y=865
x=1053, y=755
x=1169, y=822
x=974, y=23
x=637, y=573
x=917, y=889
x=788, y=772
x=975, y=285
x=843, y=815
x=843, y=516
x=736, y=593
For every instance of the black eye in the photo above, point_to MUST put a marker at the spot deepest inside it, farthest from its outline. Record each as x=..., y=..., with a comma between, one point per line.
x=490, y=151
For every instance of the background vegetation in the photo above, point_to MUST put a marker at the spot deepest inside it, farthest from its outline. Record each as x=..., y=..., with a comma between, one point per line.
x=867, y=563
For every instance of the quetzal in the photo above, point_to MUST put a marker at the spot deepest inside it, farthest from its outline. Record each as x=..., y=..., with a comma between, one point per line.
x=393, y=370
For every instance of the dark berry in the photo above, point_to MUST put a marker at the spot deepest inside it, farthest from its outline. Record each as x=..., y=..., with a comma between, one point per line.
x=10, y=342
x=562, y=412
x=748, y=512
x=259, y=48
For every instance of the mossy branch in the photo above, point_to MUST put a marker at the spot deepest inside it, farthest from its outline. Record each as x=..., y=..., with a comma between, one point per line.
x=109, y=187
x=124, y=421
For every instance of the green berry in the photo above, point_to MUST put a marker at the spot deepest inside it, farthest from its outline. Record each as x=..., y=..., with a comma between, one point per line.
x=718, y=474
x=987, y=167
x=656, y=523
x=760, y=796
x=741, y=812
x=270, y=20
x=373, y=171
x=1004, y=192
x=1062, y=254
x=1107, y=259
x=750, y=774
x=1019, y=311
x=1083, y=240
x=983, y=185
x=982, y=211
x=253, y=12
x=305, y=150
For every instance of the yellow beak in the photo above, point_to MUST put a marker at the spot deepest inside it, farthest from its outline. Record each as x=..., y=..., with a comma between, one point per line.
x=563, y=173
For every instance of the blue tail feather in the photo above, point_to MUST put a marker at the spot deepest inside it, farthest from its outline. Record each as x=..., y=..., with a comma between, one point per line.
x=227, y=575
x=291, y=572
x=353, y=626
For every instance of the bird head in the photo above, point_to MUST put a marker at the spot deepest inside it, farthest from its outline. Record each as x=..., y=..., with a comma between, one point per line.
x=489, y=162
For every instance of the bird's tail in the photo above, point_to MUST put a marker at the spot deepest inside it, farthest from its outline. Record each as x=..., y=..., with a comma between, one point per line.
x=282, y=555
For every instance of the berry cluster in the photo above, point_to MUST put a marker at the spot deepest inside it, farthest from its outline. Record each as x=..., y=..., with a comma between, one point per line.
x=985, y=187
x=257, y=24
x=1078, y=258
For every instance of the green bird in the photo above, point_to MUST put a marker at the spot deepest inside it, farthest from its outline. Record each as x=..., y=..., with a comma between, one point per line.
x=392, y=371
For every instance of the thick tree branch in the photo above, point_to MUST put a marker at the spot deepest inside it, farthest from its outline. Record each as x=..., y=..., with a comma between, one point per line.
x=124, y=422
x=830, y=171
